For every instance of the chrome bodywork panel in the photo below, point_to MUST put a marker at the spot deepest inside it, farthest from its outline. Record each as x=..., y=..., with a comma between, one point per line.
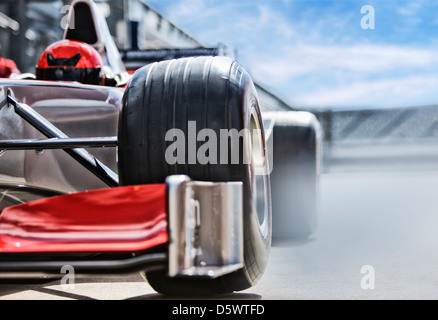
x=78, y=111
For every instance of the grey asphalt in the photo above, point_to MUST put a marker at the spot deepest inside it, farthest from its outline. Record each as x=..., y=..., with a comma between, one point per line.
x=385, y=220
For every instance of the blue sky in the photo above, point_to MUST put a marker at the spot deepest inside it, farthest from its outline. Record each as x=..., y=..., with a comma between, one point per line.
x=314, y=53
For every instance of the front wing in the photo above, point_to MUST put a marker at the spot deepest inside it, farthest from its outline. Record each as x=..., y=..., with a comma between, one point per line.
x=189, y=228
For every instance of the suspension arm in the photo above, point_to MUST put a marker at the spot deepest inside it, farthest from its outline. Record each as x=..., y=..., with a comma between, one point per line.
x=50, y=131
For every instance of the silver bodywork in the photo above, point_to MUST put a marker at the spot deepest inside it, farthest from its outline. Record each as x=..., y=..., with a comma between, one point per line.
x=77, y=110
x=206, y=227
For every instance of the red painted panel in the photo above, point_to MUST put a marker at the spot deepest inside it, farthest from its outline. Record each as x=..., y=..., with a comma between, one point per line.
x=122, y=219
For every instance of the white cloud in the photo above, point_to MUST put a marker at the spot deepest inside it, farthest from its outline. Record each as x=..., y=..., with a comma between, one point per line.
x=360, y=60
x=353, y=75
x=406, y=91
x=269, y=19
x=410, y=9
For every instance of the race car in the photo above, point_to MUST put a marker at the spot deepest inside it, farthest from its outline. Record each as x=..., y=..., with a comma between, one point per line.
x=165, y=172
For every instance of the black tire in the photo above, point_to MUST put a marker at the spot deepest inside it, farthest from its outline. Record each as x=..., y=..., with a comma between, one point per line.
x=295, y=174
x=217, y=93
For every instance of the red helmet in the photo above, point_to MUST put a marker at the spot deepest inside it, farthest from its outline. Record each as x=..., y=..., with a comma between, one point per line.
x=68, y=60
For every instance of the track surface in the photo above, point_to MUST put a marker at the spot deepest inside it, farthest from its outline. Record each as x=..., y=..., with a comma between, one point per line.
x=384, y=220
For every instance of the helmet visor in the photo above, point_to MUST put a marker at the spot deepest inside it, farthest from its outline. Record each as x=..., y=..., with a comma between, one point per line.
x=82, y=75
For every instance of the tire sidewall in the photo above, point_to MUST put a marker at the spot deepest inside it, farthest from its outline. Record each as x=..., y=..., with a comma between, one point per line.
x=257, y=244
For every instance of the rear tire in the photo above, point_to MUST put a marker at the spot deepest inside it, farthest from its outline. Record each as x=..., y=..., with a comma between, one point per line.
x=295, y=174
x=215, y=93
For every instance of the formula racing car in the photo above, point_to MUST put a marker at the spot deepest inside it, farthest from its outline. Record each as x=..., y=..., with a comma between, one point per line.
x=166, y=171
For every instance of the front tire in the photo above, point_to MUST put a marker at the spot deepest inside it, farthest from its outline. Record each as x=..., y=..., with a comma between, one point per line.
x=213, y=93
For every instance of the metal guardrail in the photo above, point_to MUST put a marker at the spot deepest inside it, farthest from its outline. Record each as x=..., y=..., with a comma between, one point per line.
x=389, y=139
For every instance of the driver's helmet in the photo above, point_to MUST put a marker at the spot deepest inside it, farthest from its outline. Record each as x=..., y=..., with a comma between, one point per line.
x=69, y=60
